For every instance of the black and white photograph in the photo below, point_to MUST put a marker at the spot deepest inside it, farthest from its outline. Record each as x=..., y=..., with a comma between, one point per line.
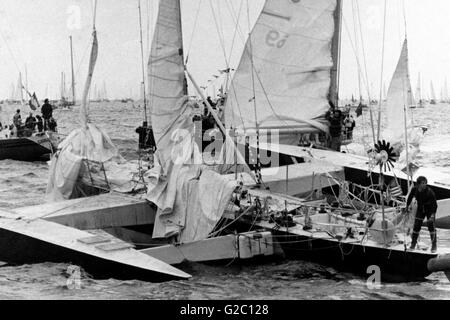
x=224, y=154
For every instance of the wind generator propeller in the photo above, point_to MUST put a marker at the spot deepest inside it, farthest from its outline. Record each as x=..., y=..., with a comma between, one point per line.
x=383, y=155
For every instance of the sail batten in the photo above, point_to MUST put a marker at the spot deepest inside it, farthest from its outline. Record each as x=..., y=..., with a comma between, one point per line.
x=290, y=59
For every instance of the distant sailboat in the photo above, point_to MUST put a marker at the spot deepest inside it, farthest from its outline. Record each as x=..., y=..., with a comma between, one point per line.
x=444, y=95
x=419, y=99
x=432, y=94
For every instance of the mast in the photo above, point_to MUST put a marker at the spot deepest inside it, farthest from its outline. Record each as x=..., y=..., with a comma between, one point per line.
x=20, y=87
x=142, y=62
x=336, y=54
x=26, y=78
x=62, y=85
x=73, y=75
x=420, y=90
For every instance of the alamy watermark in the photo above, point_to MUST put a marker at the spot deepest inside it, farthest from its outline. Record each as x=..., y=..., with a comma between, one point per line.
x=374, y=280
x=74, y=280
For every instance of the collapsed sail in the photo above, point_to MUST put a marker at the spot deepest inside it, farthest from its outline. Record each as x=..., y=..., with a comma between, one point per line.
x=190, y=198
x=399, y=99
x=286, y=69
x=87, y=86
x=166, y=78
x=82, y=146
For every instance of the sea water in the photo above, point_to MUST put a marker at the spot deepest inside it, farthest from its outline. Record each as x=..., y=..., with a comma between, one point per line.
x=24, y=184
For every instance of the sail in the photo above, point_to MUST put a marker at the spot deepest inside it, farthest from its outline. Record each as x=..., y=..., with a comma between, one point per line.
x=286, y=70
x=432, y=93
x=166, y=78
x=399, y=96
x=86, y=143
x=190, y=199
x=87, y=86
x=418, y=89
x=445, y=92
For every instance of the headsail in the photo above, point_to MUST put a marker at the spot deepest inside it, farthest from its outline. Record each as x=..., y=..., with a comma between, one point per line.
x=399, y=101
x=399, y=96
x=432, y=92
x=286, y=68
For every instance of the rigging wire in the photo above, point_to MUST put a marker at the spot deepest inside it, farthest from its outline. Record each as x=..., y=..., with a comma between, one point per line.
x=220, y=34
x=193, y=31
x=236, y=22
x=359, y=78
x=365, y=69
x=382, y=70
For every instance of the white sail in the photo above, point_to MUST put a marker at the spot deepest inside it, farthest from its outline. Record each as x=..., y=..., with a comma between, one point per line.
x=432, y=93
x=399, y=98
x=85, y=143
x=418, y=90
x=87, y=86
x=286, y=69
x=190, y=200
x=445, y=92
x=166, y=68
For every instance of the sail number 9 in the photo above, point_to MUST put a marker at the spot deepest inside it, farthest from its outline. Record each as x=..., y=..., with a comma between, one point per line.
x=275, y=39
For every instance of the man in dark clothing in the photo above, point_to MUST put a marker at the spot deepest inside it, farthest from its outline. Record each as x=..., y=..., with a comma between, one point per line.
x=336, y=130
x=47, y=112
x=426, y=207
x=40, y=123
x=146, y=138
x=30, y=124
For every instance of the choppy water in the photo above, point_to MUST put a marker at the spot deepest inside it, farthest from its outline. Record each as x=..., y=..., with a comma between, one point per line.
x=23, y=184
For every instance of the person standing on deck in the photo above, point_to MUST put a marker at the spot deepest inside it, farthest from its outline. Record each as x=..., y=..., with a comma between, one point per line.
x=426, y=207
x=17, y=121
x=47, y=112
x=336, y=130
x=30, y=124
x=39, y=123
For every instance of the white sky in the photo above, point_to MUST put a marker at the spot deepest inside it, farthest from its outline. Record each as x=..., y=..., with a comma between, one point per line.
x=35, y=33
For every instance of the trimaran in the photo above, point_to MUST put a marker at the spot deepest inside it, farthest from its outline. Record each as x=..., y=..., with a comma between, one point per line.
x=196, y=212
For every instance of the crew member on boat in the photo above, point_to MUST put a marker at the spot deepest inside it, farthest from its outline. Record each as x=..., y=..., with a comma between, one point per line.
x=30, y=124
x=349, y=123
x=47, y=112
x=336, y=129
x=39, y=123
x=426, y=207
x=17, y=121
